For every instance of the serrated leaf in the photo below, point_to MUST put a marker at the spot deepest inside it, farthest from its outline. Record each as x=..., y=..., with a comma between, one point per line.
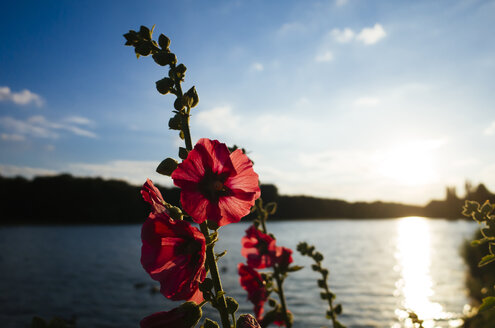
x=488, y=303
x=486, y=259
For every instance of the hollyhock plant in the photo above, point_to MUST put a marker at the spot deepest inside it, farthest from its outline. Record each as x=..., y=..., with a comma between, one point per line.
x=185, y=316
x=259, y=248
x=284, y=258
x=173, y=253
x=216, y=185
x=252, y=282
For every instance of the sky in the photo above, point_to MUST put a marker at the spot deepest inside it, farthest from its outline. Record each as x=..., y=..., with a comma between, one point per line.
x=350, y=99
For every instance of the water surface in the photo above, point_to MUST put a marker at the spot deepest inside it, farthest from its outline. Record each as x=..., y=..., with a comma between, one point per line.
x=378, y=270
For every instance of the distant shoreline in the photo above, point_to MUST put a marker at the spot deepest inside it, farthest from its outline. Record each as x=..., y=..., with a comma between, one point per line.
x=68, y=200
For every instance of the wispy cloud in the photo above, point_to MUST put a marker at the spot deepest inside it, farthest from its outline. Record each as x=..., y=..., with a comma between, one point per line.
x=371, y=35
x=39, y=127
x=368, y=35
x=24, y=97
x=135, y=172
x=12, y=137
x=490, y=130
x=343, y=36
x=291, y=28
x=25, y=171
x=367, y=101
x=257, y=67
x=324, y=57
x=340, y=3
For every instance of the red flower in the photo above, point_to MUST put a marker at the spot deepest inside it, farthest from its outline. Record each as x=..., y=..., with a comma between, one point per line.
x=284, y=258
x=252, y=282
x=259, y=248
x=247, y=321
x=216, y=185
x=152, y=195
x=173, y=253
x=185, y=316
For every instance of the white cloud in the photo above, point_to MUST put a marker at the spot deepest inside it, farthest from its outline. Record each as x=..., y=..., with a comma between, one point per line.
x=25, y=171
x=23, y=97
x=12, y=137
x=324, y=57
x=258, y=67
x=343, y=36
x=291, y=28
x=79, y=120
x=38, y=126
x=340, y=3
x=134, y=172
x=490, y=130
x=367, y=102
x=371, y=35
x=368, y=35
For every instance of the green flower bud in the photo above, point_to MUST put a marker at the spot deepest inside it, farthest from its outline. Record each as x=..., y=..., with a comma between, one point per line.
x=318, y=257
x=178, y=73
x=164, y=42
x=321, y=283
x=143, y=48
x=145, y=33
x=338, y=309
x=175, y=122
x=179, y=104
x=210, y=324
x=191, y=98
x=164, y=85
x=315, y=267
x=167, y=166
x=175, y=213
x=131, y=37
x=183, y=152
x=232, y=305
x=164, y=58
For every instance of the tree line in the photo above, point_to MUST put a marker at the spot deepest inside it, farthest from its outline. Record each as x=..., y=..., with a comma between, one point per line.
x=65, y=199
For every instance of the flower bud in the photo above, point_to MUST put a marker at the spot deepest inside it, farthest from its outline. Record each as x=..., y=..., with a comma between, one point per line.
x=191, y=98
x=164, y=85
x=164, y=42
x=247, y=321
x=179, y=104
x=183, y=152
x=210, y=324
x=175, y=213
x=232, y=305
x=145, y=33
x=167, y=166
x=185, y=316
x=143, y=48
x=131, y=37
x=164, y=58
x=175, y=122
x=178, y=73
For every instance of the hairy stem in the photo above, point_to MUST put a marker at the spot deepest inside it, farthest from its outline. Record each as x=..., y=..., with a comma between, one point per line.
x=280, y=292
x=210, y=254
x=215, y=276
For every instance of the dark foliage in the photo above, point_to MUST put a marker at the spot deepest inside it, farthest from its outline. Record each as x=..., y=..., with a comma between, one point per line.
x=65, y=199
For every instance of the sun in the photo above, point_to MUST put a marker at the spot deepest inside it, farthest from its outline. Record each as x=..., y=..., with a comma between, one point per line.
x=409, y=163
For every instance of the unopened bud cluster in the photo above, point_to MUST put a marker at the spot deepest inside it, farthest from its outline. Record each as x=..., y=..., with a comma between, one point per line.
x=325, y=294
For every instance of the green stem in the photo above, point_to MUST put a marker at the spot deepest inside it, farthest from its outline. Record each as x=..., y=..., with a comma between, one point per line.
x=210, y=254
x=330, y=298
x=215, y=277
x=280, y=292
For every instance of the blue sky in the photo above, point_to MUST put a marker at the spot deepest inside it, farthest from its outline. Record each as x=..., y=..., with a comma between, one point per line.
x=359, y=100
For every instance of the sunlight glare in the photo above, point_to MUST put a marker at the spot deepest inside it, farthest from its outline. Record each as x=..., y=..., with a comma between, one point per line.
x=415, y=285
x=409, y=163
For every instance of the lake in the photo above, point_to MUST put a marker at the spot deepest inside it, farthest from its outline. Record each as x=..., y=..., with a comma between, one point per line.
x=378, y=269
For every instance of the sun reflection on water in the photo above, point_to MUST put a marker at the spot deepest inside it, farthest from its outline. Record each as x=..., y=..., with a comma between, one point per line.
x=415, y=287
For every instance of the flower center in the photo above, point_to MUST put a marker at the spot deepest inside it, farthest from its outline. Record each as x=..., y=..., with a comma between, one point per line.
x=217, y=185
x=212, y=186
